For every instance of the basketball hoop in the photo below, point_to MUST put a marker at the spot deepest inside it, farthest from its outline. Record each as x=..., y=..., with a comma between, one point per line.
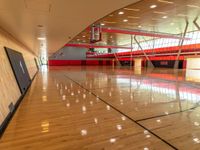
x=96, y=34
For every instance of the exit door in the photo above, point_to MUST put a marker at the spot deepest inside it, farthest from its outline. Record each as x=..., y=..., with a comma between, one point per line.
x=19, y=69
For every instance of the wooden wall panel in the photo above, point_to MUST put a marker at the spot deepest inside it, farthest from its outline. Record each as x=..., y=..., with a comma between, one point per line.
x=9, y=90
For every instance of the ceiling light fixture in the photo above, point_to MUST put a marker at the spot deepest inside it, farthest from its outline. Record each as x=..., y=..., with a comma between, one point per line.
x=165, y=1
x=153, y=6
x=41, y=38
x=140, y=26
x=159, y=12
x=132, y=9
x=165, y=17
x=102, y=24
x=125, y=20
x=193, y=6
x=121, y=13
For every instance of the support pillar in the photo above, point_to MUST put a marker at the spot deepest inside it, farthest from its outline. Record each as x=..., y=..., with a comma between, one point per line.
x=180, y=45
x=131, y=59
x=150, y=64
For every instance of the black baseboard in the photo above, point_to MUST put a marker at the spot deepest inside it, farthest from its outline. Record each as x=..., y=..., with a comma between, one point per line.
x=5, y=123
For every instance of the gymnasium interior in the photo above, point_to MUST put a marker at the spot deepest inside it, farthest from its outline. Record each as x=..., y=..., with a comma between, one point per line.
x=99, y=75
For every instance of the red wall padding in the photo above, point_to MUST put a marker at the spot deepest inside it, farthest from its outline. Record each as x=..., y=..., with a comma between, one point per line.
x=92, y=62
x=79, y=62
x=64, y=62
x=184, y=64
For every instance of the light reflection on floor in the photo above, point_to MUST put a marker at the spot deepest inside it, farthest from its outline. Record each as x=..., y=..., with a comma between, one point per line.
x=108, y=108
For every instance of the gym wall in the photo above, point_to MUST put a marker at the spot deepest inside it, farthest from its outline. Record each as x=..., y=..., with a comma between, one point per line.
x=9, y=90
x=69, y=53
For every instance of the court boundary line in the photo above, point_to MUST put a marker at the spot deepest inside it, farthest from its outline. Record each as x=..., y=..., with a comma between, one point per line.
x=166, y=142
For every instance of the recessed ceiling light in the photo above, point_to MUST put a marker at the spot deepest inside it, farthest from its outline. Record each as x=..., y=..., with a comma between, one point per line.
x=102, y=24
x=153, y=6
x=165, y=1
x=159, y=12
x=112, y=140
x=83, y=36
x=125, y=20
x=165, y=17
x=132, y=9
x=78, y=39
x=41, y=38
x=121, y=13
x=193, y=6
x=139, y=26
x=146, y=148
x=171, y=23
x=196, y=140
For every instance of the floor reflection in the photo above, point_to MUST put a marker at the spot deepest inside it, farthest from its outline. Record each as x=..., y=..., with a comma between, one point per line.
x=164, y=90
x=193, y=75
x=107, y=108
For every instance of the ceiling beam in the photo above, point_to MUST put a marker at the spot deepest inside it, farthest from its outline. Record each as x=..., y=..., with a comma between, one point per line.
x=141, y=33
x=95, y=46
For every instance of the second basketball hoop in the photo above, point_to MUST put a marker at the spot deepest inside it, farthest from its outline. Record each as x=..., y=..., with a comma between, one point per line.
x=96, y=34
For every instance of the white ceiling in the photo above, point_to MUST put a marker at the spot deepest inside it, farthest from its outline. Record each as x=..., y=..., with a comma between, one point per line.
x=60, y=19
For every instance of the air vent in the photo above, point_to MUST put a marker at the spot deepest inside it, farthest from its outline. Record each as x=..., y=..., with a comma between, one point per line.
x=11, y=107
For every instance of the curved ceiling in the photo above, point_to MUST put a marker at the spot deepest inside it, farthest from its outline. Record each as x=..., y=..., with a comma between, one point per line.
x=156, y=18
x=56, y=22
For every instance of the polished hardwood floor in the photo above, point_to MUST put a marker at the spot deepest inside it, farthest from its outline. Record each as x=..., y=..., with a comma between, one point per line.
x=103, y=108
